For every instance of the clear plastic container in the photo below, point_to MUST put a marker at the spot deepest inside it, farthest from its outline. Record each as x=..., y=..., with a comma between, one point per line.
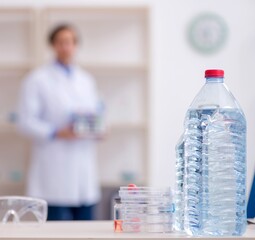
x=145, y=195
x=148, y=218
x=144, y=209
x=148, y=208
x=214, y=157
x=147, y=227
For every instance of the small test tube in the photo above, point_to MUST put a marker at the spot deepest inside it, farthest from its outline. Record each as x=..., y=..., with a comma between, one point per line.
x=117, y=216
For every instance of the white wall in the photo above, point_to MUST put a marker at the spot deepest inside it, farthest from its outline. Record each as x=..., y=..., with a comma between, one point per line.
x=178, y=73
x=177, y=70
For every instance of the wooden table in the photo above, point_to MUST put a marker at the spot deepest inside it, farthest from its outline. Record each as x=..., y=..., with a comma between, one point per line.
x=90, y=230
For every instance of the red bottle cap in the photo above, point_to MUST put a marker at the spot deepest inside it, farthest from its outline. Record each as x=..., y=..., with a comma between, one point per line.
x=214, y=73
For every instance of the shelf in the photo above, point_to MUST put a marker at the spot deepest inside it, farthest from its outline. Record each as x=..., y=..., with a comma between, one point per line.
x=20, y=66
x=17, y=35
x=12, y=188
x=93, y=67
x=141, y=9
x=11, y=129
x=8, y=129
x=11, y=183
x=127, y=126
x=123, y=157
x=112, y=67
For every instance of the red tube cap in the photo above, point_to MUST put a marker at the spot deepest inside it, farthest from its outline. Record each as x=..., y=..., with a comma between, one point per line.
x=132, y=186
x=214, y=73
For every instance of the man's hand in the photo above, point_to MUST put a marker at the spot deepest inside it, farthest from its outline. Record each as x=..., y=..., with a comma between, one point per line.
x=66, y=133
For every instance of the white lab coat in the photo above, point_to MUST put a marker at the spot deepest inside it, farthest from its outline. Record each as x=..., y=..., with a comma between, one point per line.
x=63, y=172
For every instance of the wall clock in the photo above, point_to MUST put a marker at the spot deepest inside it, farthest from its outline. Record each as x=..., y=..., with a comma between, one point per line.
x=207, y=33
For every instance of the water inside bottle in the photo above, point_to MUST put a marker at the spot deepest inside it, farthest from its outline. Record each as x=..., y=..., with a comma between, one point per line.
x=179, y=186
x=214, y=185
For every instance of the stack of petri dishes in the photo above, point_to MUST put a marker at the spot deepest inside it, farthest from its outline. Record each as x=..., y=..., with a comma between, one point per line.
x=144, y=209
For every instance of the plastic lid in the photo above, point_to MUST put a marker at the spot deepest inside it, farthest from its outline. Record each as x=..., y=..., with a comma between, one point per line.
x=216, y=73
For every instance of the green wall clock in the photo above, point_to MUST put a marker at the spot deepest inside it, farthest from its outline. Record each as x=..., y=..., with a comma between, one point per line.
x=207, y=33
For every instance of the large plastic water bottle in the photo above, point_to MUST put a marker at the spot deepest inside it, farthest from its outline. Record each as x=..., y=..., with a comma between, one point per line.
x=179, y=186
x=212, y=157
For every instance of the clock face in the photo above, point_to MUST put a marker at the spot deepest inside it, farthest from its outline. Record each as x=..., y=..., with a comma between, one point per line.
x=207, y=33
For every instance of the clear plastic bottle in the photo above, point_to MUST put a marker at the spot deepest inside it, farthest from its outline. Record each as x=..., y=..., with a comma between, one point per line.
x=215, y=161
x=179, y=186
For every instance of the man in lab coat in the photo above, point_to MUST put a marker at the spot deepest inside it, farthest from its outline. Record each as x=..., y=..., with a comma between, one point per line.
x=63, y=169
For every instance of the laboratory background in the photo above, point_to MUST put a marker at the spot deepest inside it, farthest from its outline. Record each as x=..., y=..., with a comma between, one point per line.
x=148, y=59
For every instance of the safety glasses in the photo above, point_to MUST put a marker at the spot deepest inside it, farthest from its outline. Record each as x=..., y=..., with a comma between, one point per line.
x=18, y=210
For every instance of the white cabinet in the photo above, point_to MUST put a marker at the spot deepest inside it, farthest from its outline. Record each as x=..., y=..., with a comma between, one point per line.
x=125, y=96
x=109, y=36
x=114, y=49
x=17, y=50
x=16, y=39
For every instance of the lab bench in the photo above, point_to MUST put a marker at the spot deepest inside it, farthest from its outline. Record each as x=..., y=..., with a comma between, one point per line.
x=91, y=230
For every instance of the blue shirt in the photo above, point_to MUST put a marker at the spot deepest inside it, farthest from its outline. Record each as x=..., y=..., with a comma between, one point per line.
x=67, y=68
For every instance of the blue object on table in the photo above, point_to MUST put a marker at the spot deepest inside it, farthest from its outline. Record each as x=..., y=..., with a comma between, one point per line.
x=251, y=202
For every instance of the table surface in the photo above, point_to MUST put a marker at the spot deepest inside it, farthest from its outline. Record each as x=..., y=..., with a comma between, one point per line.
x=90, y=230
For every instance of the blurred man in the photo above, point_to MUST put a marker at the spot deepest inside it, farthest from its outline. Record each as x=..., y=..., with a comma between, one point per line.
x=63, y=169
